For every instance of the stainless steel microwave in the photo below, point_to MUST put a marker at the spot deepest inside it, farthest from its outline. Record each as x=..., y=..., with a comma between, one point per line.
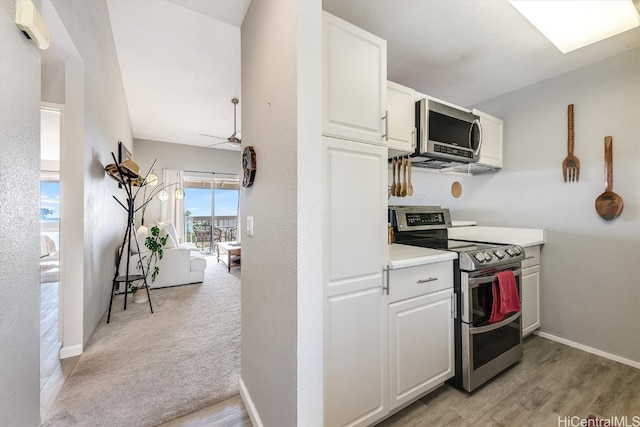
x=446, y=133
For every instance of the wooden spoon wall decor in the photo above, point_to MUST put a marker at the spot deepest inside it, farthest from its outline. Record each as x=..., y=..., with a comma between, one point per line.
x=393, y=179
x=401, y=183
x=608, y=204
x=410, y=188
x=399, y=189
x=403, y=191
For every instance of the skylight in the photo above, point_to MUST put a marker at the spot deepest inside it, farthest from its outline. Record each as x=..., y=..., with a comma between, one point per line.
x=572, y=24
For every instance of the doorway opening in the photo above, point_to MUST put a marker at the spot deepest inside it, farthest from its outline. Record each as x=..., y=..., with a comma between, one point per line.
x=50, y=284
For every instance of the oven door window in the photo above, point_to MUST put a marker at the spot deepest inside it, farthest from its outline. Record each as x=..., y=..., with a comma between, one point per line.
x=489, y=345
x=482, y=303
x=490, y=342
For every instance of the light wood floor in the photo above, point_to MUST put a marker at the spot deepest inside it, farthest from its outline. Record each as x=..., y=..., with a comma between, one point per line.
x=229, y=413
x=552, y=381
x=53, y=371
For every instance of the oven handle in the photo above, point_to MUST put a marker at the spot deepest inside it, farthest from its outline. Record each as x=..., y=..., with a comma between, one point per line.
x=474, y=283
x=494, y=326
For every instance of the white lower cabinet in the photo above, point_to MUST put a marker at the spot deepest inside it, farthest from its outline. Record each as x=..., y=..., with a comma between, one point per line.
x=531, y=290
x=356, y=358
x=421, y=347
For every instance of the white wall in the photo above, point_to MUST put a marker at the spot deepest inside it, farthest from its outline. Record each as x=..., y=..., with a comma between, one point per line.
x=180, y=157
x=590, y=269
x=281, y=304
x=104, y=122
x=268, y=304
x=310, y=198
x=19, y=224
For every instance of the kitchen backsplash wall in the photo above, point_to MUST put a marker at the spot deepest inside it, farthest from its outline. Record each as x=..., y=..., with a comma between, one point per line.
x=590, y=272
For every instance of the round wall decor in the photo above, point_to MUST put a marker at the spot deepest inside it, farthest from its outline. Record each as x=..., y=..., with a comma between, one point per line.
x=456, y=189
x=248, y=166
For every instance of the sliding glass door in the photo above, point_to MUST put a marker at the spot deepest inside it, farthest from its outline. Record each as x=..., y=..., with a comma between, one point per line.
x=211, y=210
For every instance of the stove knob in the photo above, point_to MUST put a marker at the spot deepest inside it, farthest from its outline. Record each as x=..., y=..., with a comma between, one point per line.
x=487, y=256
x=499, y=253
x=479, y=257
x=517, y=250
x=510, y=252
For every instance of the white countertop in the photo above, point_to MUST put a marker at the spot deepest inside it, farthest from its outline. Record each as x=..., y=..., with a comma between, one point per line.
x=402, y=256
x=517, y=236
x=462, y=223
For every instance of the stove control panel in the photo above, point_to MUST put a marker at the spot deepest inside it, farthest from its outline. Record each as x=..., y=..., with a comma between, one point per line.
x=480, y=259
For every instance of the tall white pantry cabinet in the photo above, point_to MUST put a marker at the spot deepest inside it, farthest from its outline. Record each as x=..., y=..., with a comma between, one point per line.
x=354, y=219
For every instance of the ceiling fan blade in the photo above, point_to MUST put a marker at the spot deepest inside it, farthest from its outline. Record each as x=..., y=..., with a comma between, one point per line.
x=212, y=136
x=216, y=144
x=233, y=139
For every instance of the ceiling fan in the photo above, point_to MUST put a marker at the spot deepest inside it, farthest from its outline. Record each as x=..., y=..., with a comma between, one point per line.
x=235, y=136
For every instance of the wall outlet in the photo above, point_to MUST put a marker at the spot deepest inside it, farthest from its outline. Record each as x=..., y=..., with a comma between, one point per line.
x=250, y=226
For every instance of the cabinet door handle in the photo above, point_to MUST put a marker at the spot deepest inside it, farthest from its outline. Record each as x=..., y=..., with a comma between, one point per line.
x=430, y=279
x=454, y=305
x=414, y=137
x=386, y=125
x=386, y=286
x=529, y=257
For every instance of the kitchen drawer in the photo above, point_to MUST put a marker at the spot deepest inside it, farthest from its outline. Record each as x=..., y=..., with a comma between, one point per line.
x=531, y=256
x=410, y=282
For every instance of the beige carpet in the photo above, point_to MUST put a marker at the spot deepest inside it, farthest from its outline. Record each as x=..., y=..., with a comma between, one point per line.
x=143, y=369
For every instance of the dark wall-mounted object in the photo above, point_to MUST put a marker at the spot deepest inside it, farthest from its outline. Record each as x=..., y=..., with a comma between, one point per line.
x=248, y=166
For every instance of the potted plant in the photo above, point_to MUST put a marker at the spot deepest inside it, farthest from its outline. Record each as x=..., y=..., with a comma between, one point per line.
x=154, y=243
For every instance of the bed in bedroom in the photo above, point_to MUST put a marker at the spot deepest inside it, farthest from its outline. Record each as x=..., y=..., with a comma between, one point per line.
x=47, y=246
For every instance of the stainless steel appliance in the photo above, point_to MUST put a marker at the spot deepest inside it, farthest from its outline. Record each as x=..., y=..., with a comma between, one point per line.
x=482, y=349
x=446, y=135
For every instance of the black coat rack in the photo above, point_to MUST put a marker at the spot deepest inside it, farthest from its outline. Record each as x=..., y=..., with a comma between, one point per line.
x=128, y=179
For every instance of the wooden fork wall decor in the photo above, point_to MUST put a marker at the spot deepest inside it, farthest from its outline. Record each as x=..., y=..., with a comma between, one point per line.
x=571, y=164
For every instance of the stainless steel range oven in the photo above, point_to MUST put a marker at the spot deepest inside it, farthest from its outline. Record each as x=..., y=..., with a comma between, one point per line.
x=484, y=345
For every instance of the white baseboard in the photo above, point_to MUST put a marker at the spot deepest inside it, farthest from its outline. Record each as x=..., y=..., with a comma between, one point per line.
x=249, y=406
x=588, y=349
x=72, y=350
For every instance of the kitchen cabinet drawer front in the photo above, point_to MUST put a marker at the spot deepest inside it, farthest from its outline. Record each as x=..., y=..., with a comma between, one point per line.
x=531, y=256
x=410, y=282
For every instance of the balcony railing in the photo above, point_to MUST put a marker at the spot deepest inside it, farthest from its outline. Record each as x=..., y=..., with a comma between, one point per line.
x=199, y=230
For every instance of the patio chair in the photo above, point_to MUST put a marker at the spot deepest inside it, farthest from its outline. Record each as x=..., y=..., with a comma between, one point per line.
x=203, y=235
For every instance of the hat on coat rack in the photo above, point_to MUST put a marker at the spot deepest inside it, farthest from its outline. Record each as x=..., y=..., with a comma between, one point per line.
x=125, y=171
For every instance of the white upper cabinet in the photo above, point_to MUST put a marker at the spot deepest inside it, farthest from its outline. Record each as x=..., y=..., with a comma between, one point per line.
x=354, y=78
x=491, y=150
x=401, y=102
